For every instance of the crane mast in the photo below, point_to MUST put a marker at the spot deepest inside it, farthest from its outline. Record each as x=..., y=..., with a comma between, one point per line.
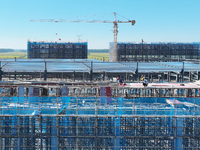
x=115, y=26
x=115, y=31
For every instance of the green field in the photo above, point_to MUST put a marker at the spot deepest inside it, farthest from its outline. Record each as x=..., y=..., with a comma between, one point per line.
x=13, y=55
x=99, y=56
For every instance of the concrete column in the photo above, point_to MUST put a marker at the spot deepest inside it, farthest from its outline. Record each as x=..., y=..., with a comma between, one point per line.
x=182, y=73
x=73, y=76
x=159, y=76
x=177, y=77
x=198, y=75
x=91, y=72
x=136, y=73
x=15, y=75
x=190, y=77
x=45, y=72
x=162, y=77
x=168, y=76
x=104, y=74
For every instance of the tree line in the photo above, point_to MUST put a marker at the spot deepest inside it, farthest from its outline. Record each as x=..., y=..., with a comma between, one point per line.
x=3, y=50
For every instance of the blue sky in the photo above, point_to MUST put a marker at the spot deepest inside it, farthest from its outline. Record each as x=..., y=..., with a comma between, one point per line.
x=156, y=21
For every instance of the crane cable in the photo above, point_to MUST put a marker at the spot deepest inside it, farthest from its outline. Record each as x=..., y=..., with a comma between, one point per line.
x=89, y=16
x=122, y=16
x=105, y=14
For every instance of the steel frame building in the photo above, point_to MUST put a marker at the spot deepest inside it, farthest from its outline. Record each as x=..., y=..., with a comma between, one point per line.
x=64, y=117
x=127, y=52
x=57, y=50
x=86, y=70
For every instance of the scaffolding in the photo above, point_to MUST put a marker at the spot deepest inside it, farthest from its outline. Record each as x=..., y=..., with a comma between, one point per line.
x=57, y=50
x=95, y=118
x=127, y=52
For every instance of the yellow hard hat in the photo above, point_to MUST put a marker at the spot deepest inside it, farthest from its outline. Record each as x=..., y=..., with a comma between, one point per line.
x=142, y=79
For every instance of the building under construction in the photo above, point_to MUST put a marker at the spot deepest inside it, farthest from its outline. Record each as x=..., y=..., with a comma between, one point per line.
x=57, y=50
x=62, y=116
x=75, y=104
x=86, y=70
x=128, y=52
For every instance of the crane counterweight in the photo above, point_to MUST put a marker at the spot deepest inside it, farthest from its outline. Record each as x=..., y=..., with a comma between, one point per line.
x=133, y=22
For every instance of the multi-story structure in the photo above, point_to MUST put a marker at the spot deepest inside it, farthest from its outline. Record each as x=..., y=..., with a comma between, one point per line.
x=68, y=117
x=155, y=51
x=57, y=50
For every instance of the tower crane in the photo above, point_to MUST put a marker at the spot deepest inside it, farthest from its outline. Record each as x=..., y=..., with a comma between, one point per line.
x=115, y=31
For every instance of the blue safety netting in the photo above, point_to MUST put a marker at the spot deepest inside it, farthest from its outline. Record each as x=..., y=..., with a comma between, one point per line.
x=99, y=106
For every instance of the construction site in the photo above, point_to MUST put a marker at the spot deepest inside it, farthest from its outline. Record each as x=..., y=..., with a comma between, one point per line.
x=57, y=99
x=62, y=116
x=78, y=104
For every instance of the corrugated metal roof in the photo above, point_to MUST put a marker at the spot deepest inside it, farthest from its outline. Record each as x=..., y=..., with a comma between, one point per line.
x=81, y=65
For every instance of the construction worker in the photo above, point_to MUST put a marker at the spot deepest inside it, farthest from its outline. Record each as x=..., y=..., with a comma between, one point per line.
x=145, y=82
x=120, y=80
